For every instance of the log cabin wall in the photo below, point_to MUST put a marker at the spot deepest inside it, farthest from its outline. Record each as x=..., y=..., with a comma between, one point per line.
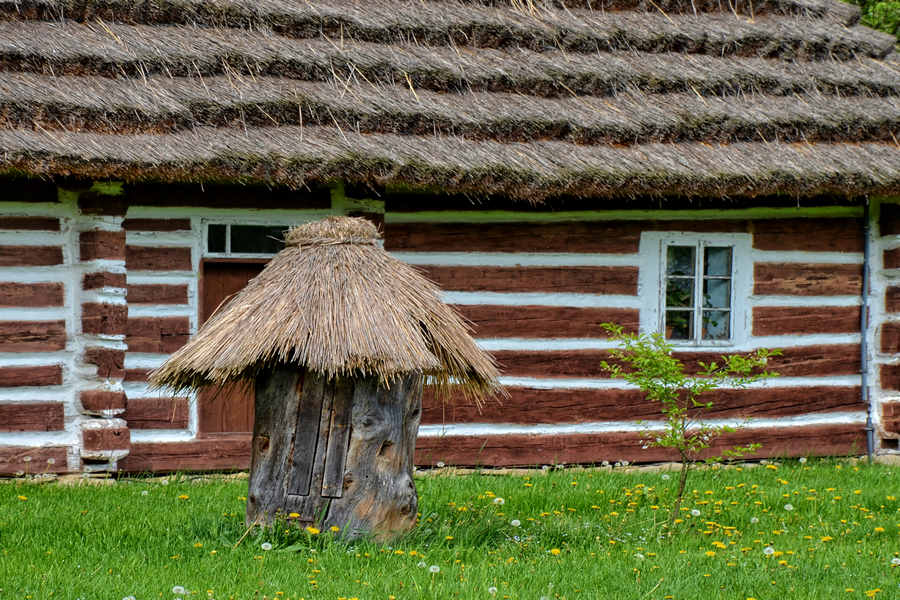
x=109, y=284
x=537, y=286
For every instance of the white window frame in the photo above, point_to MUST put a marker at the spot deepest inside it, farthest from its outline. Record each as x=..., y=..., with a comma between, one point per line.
x=286, y=223
x=652, y=282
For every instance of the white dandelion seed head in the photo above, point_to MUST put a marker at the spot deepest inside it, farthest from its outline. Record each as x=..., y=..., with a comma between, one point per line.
x=768, y=550
x=144, y=493
x=605, y=463
x=439, y=464
x=266, y=546
x=666, y=477
x=515, y=522
x=695, y=512
x=499, y=500
x=625, y=463
x=178, y=590
x=492, y=590
x=639, y=556
x=788, y=507
x=129, y=598
x=434, y=569
x=421, y=564
x=754, y=520
x=51, y=461
x=802, y=460
x=164, y=482
x=895, y=561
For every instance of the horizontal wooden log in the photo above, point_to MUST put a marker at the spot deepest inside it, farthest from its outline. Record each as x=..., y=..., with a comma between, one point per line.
x=809, y=235
x=141, y=375
x=143, y=258
x=807, y=279
x=157, y=413
x=110, y=363
x=584, y=237
x=890, y=337
x=108, y=245
x=890, y=377
x=157, y=334
x=531, y=450
x=156, y=224
x=32, y=336
x=222, y=452
x=782, y=320
x=106, y=438
x=31, y=294
x=32, y=416
x=545, y=321
x=22, y=459
x=584, y=280
x=892, y=299
x=801, y=361
x=30, y=256
x=531, y=406
x=30, y=376
x=892, y=258
x=93, y=281
x=157, y=294
x=30, y=223
x=97, y=401
x=99, y=318
x=889, y=220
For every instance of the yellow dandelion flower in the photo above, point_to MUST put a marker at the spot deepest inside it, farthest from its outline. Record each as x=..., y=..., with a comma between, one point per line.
x=22, y=498
x=879, y=530
x=555, y=551
x=710, y=553
x=335, y=529
x=312, y=530
x=183, y=497
x=294, y=516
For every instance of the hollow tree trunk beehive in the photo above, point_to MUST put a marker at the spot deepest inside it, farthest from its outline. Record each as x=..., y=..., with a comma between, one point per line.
x=338, y=452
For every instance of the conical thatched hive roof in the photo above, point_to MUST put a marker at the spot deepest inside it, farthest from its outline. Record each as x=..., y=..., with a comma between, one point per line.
x=335, y=302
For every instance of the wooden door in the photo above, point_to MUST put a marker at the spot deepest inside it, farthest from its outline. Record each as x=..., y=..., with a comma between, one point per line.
x=228, y=409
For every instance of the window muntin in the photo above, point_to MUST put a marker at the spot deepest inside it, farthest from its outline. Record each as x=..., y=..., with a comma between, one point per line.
x=696, y=306
x=241, y=240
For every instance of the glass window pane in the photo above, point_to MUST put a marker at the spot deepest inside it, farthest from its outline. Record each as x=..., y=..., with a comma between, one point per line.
x=215, y=238
x=717, y=293
x=717, y=262
x=716, y=325
x=680, y=261
x=679, y=324
x=257, y=239
x=680, y=293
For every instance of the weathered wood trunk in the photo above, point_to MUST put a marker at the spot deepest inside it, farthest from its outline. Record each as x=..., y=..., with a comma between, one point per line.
x=337, y=452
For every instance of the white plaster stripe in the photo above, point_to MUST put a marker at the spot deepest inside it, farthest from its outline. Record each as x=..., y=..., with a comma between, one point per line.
x=37, y=440
x=147, y=277
x=517, y=259
x=48, y=393
x=143, y=360
x=44, y=313
x=140, y=389
x=485, y=429
x=31, y=238
x=796, y=256
x=102, y=265
x=504, y=216
x=161, y=310
x=805, y=301
x=566, y=383
x=541, y=299
x=550, y=344
x=33, y=359
x=110, y=342
x=35, y=209
x=106, y=295
x=162, y=277
x=163, y=239
x=35, y=274
x=144, y=436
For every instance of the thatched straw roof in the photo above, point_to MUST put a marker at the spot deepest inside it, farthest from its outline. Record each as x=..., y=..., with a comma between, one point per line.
x=528, y=98
x=335, y=302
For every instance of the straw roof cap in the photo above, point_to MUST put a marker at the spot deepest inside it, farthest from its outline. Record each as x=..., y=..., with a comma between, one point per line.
x=335, y=302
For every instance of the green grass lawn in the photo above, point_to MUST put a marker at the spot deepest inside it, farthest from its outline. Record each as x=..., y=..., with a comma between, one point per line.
x=821, y=530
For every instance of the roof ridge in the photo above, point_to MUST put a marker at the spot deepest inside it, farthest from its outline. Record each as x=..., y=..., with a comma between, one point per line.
x=802, y=35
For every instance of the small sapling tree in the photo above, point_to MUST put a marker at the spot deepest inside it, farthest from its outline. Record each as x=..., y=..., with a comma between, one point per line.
x=646, y=360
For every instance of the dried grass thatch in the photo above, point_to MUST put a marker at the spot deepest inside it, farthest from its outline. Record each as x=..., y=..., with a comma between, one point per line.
x=333, y=301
